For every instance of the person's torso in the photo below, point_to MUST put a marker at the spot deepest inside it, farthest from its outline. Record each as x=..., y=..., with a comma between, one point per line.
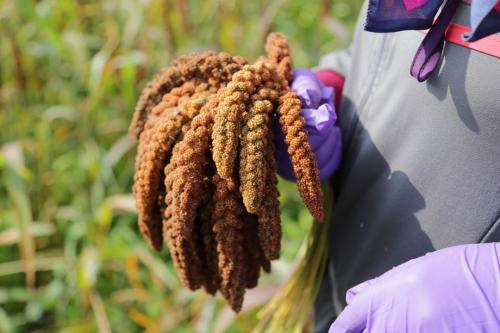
x=421, y=164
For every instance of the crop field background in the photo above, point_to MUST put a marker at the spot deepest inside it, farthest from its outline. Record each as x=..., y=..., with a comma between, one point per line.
x=71, y=256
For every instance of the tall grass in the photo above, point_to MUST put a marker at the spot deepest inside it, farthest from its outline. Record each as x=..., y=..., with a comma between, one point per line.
x=71, y=257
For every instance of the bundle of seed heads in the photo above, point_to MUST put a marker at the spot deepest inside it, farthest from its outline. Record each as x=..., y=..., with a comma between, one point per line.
x=205, y=175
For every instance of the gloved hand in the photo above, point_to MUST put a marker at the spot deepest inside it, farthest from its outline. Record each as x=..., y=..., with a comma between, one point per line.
x=451, y=290
x=318, y=111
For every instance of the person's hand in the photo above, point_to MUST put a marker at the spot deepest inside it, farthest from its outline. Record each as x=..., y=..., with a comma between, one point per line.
x=451, y=290
x=318, y=111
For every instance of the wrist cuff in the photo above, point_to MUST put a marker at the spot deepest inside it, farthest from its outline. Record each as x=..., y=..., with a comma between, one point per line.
x=334, y=80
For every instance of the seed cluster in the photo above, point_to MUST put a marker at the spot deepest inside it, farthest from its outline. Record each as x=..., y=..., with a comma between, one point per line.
x=205, y=175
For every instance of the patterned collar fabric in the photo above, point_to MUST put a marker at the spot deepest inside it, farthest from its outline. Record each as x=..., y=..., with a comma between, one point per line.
x=397, y=15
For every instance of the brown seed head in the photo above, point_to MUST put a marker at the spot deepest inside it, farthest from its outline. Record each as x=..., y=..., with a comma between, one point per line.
x=300, y=151
x=252, y=151
x=227, y=126
x=208, y=66
x=278, y=52
x=227, y=227
x=161, y=133
x=185, y=252
x=184, y=174
x=269, y=213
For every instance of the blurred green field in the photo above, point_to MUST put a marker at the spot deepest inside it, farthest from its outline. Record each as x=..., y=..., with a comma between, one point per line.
x=71, y=256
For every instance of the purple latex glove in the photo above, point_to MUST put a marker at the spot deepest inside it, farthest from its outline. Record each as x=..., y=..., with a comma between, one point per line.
x=451, y=290
x=319, y=113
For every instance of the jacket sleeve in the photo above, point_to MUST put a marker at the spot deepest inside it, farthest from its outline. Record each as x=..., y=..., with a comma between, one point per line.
x=338, y=62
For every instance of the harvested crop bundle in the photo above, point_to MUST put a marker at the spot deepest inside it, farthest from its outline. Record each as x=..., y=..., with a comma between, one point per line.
x=205, y=175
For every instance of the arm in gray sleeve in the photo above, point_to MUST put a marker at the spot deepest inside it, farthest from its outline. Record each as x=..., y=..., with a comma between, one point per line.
x=338, y=61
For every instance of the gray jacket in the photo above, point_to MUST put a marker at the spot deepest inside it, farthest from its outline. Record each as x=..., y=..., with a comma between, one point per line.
x=421, y=161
